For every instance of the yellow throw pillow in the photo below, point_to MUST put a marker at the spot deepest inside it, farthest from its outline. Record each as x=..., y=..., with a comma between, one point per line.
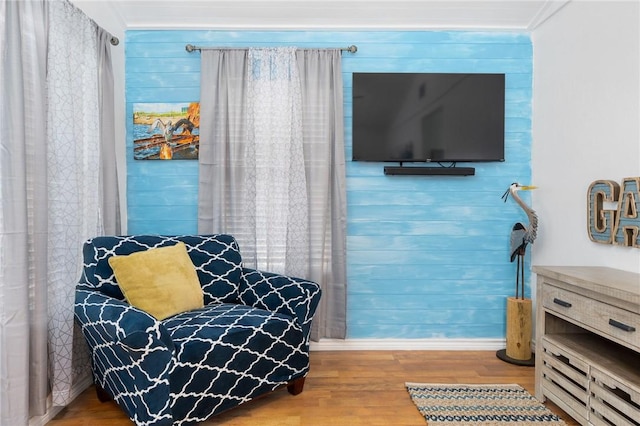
x=162, y=281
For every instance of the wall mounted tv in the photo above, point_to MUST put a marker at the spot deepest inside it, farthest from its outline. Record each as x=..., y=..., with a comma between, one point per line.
x=428, y=117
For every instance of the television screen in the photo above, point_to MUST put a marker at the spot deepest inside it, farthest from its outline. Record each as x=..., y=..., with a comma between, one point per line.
x=430, y=117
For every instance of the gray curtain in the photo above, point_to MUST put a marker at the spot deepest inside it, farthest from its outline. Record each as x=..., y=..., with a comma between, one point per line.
x=23, y=218
x=50, y=193
x=109, y=194
x=225, y=153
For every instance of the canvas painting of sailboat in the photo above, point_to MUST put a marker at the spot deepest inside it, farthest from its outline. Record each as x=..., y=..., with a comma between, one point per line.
x=166, y=131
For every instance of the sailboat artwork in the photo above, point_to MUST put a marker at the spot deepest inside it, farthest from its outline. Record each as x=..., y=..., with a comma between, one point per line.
x=166, y=131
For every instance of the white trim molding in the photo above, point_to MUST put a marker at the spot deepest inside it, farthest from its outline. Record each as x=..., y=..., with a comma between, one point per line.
x=549, y=9
x=408, y=344
x=470, y=15
x=53, y=410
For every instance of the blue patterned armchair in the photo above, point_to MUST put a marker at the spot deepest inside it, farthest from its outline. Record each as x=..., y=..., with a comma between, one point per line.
x=251, y=337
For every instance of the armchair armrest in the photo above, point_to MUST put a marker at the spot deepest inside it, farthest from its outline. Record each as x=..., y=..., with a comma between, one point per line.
x=278, y=293
x=131, y=354
x=107, y=319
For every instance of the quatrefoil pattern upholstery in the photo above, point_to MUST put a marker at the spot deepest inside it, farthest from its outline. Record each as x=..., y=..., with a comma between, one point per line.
x=251, y=337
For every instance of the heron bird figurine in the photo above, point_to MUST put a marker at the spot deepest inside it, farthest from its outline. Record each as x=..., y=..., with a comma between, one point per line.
x=519, y=309
x=521, y=235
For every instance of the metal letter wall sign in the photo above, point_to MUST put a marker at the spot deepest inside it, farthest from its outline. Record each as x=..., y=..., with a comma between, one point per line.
x=622, y=225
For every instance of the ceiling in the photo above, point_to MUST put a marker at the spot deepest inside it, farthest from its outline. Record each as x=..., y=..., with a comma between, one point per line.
x=517, y=15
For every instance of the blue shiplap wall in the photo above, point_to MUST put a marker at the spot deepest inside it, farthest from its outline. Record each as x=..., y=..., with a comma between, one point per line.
x=427, y=256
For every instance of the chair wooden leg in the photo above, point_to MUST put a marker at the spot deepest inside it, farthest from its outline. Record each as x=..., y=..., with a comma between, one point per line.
x=103, y=395
x=295, y=387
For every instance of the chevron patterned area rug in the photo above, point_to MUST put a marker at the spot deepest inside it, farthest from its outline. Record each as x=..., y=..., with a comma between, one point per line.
x=500, y=405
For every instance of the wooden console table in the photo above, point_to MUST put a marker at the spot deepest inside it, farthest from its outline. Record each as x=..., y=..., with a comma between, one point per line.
x=588, y=343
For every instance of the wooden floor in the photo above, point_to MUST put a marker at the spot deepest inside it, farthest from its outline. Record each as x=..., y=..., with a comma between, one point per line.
x=343, y=388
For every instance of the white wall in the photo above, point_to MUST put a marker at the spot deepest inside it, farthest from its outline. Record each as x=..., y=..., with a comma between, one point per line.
x=585, y=124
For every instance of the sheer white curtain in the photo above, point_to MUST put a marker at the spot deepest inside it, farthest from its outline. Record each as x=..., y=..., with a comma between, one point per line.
x=52, y=195
x=73, y=169
x=278, y=238
x=272, y=165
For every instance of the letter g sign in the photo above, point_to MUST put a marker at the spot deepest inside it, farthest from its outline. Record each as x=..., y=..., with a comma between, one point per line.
x=620, y=226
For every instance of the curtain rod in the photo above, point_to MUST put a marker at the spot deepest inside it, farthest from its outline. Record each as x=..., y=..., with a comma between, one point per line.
x=112, y=39
x=191, y=48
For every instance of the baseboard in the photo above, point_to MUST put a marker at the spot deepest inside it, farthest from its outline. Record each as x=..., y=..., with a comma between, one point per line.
x=408, y=344
x=52, y=410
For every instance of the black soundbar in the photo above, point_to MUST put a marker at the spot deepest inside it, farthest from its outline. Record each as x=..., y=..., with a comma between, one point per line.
x=431, y=171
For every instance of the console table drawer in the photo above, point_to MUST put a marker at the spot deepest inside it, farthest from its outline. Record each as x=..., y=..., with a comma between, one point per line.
x=609, y=320
x=613, y=402
x=565, y=378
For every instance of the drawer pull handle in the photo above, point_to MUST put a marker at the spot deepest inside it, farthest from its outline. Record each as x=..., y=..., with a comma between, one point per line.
x=621, y=326
x=561, y=302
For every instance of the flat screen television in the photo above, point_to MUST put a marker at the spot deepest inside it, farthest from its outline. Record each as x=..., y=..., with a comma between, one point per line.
x=428, y=117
